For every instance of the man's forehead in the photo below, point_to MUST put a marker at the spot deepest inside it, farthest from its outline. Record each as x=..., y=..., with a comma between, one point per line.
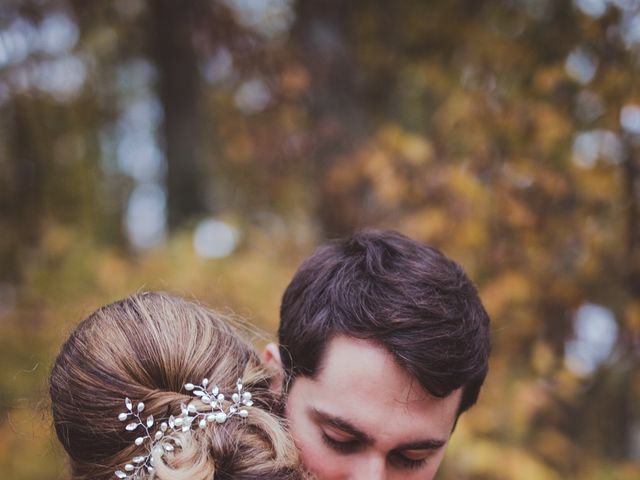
x=355, y=363
x=361, y=382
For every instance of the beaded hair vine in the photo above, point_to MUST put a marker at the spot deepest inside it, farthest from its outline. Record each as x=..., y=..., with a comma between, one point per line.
x=161, y=436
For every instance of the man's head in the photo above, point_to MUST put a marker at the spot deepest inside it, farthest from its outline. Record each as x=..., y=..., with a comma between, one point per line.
x=383, y=342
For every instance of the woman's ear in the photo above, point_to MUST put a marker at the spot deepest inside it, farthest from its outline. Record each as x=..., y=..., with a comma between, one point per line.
x=271, y=359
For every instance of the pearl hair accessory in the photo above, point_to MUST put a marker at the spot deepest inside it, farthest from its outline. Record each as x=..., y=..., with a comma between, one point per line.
x=161, y=437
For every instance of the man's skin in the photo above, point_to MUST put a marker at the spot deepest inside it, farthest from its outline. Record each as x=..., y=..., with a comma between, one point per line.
x=363, y=417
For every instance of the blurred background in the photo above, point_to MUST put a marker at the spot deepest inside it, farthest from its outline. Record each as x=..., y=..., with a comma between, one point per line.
x=205, y=147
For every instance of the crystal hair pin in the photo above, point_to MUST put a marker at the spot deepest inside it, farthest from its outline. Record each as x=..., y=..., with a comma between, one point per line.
x=161, y=436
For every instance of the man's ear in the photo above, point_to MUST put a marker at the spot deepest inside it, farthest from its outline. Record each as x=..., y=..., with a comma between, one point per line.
x=273, y=362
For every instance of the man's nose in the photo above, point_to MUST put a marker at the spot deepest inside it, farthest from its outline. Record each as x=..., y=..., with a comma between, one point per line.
x=371, y=467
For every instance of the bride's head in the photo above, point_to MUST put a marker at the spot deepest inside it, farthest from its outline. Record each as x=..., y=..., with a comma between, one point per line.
x=146, y=348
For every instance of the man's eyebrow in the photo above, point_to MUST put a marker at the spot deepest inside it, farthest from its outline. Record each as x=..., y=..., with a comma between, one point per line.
x=341, y=424
x=429, y=444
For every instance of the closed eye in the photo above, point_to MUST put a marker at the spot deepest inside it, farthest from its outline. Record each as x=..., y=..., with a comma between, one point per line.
x=397, y=459
x=408, y=460
x=344, y=447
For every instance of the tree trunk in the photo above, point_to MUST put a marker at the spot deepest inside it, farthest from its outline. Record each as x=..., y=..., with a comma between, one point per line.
x=179, y=88
x=321, y=30
x=24, y=192
x=631, y=196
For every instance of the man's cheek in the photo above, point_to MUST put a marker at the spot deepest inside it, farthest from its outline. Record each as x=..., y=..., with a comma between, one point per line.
x=316, y=458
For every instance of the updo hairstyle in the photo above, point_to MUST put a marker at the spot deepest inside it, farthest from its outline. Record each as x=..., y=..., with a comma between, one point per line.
x=147, y=347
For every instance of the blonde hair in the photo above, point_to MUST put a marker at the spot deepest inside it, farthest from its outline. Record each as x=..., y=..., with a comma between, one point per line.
x=146, y=347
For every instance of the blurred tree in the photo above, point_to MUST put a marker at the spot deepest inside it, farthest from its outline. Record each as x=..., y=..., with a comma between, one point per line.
x=179, y=85
x=321, y=38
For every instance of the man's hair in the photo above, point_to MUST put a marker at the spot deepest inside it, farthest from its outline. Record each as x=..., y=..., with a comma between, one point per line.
x=407, y=297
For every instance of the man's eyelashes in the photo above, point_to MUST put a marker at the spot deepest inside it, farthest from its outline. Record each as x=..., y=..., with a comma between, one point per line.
x=341, y=446
x=346, y=447
x=401, y=461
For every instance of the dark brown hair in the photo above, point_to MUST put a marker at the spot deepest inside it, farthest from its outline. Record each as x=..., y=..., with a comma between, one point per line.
x=405, y=296
x=146, y=347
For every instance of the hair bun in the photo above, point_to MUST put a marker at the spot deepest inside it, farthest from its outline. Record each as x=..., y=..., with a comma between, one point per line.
x=161, y=402
x=252, y=447
x=144, y=347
